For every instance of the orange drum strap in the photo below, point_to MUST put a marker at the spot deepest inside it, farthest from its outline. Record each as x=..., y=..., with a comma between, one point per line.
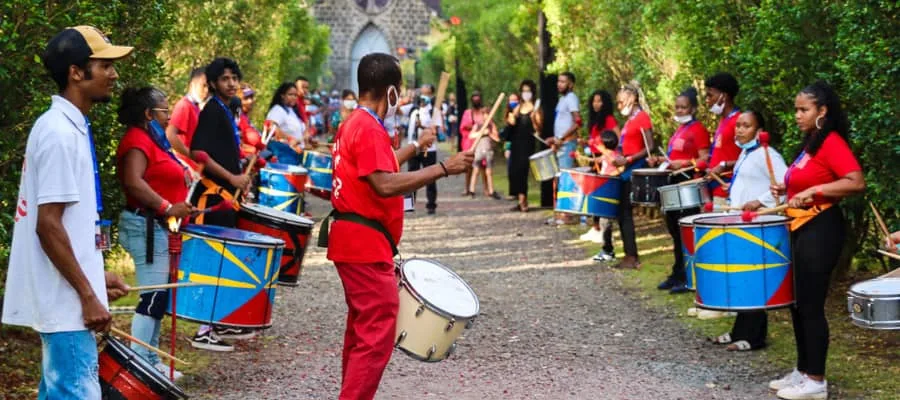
x=211, y=189
x=802, y=216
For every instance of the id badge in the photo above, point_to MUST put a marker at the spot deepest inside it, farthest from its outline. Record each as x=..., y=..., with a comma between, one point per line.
x=103, y=235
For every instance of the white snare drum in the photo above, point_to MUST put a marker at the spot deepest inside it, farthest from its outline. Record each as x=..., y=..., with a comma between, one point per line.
x=544, y=165
x=875, y=304
x=436, y=305
x=683, y=197
x=409, y=202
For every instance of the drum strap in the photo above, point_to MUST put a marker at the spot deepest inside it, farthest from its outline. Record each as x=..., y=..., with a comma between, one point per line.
x=802, y=216
x=212, y=189
x=150, y=219
x=357, y=219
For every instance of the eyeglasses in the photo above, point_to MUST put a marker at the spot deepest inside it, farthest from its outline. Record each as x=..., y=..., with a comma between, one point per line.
x=165, y=110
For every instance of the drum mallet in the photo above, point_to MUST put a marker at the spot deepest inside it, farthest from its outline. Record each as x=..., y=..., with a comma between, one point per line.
x=748, y=216
x=133, y=339
x=764, y=141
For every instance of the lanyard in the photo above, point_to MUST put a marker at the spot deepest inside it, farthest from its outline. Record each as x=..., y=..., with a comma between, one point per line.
x=372, y=113
x=677, y=135
x=97, y=190
x=737, y=168
x=787, y=176
x=237, y=135
x=712, y=148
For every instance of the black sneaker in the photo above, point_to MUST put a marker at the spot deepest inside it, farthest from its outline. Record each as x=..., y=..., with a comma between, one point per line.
x=678, y=288
x=667, y=284
x=210, y=341
x=431, y=211
x=496, y=196
x=235, y=333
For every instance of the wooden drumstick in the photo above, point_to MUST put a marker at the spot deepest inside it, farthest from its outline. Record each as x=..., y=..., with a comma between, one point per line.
x=717, y=178
x=881, y=224
x=692, y=181
x=764, y=140
x=437, y=112
x=541, y=139
x=133, y=339
x=888, y=254
x=487, y=122
x=681, y=171
x=167, y=286
x=748, y=216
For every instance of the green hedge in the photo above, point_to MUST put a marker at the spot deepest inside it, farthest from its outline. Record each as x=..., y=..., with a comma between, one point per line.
x=775, y=48
x=272, y=41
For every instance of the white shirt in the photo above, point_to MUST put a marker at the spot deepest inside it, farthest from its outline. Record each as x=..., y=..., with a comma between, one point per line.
x=58, y=168
x=567, y=105
x=422, y=114
x=288, y=122
x=751, y=180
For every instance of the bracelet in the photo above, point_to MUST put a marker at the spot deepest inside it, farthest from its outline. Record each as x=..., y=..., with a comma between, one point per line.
x=446, y=173
x=164, y=207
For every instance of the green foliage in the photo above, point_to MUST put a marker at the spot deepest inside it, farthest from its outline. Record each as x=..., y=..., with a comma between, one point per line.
x=774, y=48
x=271, y=40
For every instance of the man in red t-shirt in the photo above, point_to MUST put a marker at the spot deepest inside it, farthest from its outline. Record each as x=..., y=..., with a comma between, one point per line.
x=183, y=121
x=302, y=91
x=368, y=213
x=721, y=89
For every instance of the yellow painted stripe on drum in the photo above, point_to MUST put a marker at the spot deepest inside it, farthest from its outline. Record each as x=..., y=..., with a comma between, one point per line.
x=606, y=199
x=322, y=170
x=566, y=195
x=268, y=262
x=220, y=248
x=276, y=192
x=715, y=233
x=217, y=281
x=735, y=268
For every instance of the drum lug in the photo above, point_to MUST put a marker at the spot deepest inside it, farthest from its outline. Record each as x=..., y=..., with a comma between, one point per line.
x=431, y=352
x=400, y=338
x=870, y=314
x=469, y=323
x=451, y=350
x=420, y=310
x=450, y=325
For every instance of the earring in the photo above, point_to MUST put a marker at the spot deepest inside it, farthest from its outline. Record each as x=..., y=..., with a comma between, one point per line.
x=819, y=118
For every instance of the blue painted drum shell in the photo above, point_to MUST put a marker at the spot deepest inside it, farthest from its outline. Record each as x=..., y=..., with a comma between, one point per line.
x=581, y=192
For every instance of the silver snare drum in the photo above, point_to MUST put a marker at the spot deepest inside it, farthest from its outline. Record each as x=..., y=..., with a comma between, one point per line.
x=544, y=165
x=875, y=304
x=682, y=197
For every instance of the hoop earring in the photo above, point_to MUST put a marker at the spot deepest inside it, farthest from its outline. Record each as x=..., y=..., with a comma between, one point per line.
x=819, y=118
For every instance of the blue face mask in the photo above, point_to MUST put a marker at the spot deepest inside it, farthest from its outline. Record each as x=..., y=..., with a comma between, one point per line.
x=159, y=135
x=513, y=104
x=747, y=146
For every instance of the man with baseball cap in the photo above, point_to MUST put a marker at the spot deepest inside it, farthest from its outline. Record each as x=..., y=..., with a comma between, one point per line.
x=56, y=283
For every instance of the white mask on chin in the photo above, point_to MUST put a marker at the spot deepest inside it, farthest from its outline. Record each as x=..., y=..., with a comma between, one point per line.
x=527, y=96
x=683, y=119
x=719, y=107
x=392, y=108
x=626, y=111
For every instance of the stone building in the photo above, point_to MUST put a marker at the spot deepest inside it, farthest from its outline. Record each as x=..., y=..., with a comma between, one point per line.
x=360, y=27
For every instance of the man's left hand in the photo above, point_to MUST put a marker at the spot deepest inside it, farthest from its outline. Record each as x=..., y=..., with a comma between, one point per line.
x=115, y=287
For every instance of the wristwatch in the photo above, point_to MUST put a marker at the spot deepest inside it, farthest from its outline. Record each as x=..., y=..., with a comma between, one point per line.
x=723, y=164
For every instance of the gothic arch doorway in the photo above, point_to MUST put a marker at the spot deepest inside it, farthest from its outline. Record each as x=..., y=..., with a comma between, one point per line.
x=370, y=40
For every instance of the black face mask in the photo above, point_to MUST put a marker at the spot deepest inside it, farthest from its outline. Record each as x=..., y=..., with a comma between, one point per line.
x=476, y=103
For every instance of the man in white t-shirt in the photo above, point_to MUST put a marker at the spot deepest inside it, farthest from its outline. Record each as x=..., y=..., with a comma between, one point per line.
x=56, y=283
x=420, y=119
x=565, y=125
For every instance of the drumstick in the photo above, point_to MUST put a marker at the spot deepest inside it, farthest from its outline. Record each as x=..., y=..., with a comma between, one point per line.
x=692, y=181
x=717, y=178
x=487, y=122
x=889, y=254
x=167, y=286
x=133, y=339
x=439, y=101
x=748, y=216
x=764, y=140
x=681, y=171
x=881, y=224
x=541, y=139
x=646, y=143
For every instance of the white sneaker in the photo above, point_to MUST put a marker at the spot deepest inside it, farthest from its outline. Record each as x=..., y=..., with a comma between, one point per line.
x=808, y=390
x=792, y=379
x=710, y=314
x=592, y=235
x=692, y=312
x=164, y=369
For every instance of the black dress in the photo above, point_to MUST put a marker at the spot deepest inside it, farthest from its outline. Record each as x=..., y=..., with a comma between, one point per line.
x=521, y=147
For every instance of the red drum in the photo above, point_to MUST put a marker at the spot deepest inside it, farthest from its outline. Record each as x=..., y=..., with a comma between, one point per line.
x=124, y=375
x=293, y=229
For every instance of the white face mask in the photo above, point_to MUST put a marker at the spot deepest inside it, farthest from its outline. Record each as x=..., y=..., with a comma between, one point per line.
x=626, y=111
x=526, y=96
x=747, y=146
x=719, y=107
x=683, y=119
x=349, y=104
x=392, y=108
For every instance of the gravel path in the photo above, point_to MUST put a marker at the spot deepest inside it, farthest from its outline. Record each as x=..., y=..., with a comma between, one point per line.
x=553, y=325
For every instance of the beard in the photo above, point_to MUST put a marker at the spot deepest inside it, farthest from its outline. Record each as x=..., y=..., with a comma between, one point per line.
x=102, y=99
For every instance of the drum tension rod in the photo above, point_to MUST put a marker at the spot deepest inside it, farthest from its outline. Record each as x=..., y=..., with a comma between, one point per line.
x=400, y=338
x=450, y=325
x=420, y=310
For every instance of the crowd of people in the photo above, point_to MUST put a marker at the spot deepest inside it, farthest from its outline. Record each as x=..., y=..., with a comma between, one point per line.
x=57, y=284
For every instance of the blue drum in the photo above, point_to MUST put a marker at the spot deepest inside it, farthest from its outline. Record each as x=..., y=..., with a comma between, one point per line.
x=686, y=227
x=238, y=273
x=582, y=192
x=281, y=187
x=319, y=166
x=284, y=153
x=743, y=265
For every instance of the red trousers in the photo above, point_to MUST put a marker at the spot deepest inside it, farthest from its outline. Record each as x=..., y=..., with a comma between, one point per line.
x=372, y=302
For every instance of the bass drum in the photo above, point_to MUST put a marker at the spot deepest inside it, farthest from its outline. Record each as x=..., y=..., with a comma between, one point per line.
x=124, y=375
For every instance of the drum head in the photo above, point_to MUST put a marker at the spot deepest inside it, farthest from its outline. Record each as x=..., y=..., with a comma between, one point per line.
x=440, y=287
x=142, y=369
x=285, y=168
x=733, y=220
x=232, y=235
x=279, y=216
x=542, y=153
x=877, y=287
x=689, y=220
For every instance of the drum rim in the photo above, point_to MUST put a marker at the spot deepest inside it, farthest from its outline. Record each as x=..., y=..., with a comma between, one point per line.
x=772, y=307
x=646, y=172
x=285, y=171
x=432, y=307
x=679, y=186
x=279, y=242
x=318, y=153
x=157, y=378
x=698, y=216
x=854, y=293
x=249, y=209
x=538, y=156
x=576, y=171
x=699, y=224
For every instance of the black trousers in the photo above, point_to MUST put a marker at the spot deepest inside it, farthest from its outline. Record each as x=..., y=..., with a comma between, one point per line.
x=672, y=217
x=626, y=220
x=607, y=236
x=423, y=160
x=752, y=326
x=817, y=247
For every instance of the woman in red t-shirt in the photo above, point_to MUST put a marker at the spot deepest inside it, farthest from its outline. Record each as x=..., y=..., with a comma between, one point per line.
x=155, y=186
x=690, y=142
x=825, y=172
x=600, y=119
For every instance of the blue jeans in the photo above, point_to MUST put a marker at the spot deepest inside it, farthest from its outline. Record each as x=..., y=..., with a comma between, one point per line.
x=133, y=237
x=69, y=367
x=563, y=157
